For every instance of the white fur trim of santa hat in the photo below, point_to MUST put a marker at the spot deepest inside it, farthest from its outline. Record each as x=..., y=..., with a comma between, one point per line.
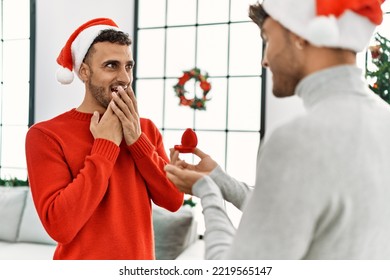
x=350, y=26
x=77, y=46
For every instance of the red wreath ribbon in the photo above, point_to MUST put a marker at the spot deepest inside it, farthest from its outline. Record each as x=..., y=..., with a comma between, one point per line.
x=196, y=102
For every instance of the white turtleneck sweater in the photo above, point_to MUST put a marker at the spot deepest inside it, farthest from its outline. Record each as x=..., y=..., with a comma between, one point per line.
x=322, y=184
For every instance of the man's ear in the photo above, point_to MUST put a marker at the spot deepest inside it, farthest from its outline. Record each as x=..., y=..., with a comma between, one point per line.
x=84, y=72
x=298, y=41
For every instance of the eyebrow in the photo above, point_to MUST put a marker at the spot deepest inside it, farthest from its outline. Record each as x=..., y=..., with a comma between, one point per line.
x=112, y=61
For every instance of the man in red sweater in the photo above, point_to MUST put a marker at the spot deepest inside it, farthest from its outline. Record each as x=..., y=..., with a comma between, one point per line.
x=95, y=169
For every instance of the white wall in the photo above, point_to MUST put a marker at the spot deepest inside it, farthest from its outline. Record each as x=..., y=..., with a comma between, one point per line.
x=56, y=20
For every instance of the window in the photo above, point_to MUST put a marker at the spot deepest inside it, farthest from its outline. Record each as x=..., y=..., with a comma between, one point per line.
x=15, y=86
x=219, y=38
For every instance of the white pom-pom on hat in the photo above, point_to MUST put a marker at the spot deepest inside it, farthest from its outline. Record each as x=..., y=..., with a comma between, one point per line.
x=64, y=76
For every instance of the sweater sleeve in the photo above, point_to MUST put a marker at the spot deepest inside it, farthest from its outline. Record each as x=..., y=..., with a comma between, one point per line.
x=65, y=204
x=281, y=214
x=220, y=231
x=280, y=218
x=232, y=190
x=150, y=157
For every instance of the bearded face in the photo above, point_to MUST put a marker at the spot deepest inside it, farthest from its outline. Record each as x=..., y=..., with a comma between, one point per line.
x=103, y=95
x=281, y=58
x=107, y=67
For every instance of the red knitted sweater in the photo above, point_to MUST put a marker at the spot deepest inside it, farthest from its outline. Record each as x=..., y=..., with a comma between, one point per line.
x=93, y=197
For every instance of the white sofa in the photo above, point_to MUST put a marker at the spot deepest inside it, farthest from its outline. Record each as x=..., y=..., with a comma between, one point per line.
x=22, y=236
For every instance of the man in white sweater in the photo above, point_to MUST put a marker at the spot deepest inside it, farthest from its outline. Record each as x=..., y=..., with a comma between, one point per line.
x=323, y=179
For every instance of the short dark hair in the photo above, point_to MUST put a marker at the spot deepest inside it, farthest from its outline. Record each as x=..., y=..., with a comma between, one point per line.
x=257, y=14
x=112, y=36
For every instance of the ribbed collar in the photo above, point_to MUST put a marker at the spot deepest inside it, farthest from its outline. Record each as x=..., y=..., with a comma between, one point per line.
x=344, y=79
x=79, y=115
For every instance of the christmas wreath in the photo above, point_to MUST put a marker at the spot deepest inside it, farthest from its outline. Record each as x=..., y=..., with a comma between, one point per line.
x=196, y=102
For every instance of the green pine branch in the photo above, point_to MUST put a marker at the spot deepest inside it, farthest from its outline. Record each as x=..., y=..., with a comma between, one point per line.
x=380, y=76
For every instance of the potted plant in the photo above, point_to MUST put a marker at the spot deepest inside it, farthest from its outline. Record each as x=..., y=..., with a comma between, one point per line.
x=13, y=182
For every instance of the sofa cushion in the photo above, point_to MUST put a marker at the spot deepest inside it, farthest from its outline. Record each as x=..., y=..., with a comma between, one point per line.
x=31, y=228
x=12, y=200
x=171, y=231
x=26, y=251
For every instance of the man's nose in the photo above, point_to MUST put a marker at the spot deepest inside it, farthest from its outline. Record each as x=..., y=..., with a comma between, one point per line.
x=125, y=76
x=264, y=63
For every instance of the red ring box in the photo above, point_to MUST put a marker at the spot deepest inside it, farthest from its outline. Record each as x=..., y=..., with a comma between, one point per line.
x=189, y=140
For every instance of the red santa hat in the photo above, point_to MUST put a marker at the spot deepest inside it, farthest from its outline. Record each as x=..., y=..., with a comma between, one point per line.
x=346, y=24
x=77, y=46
